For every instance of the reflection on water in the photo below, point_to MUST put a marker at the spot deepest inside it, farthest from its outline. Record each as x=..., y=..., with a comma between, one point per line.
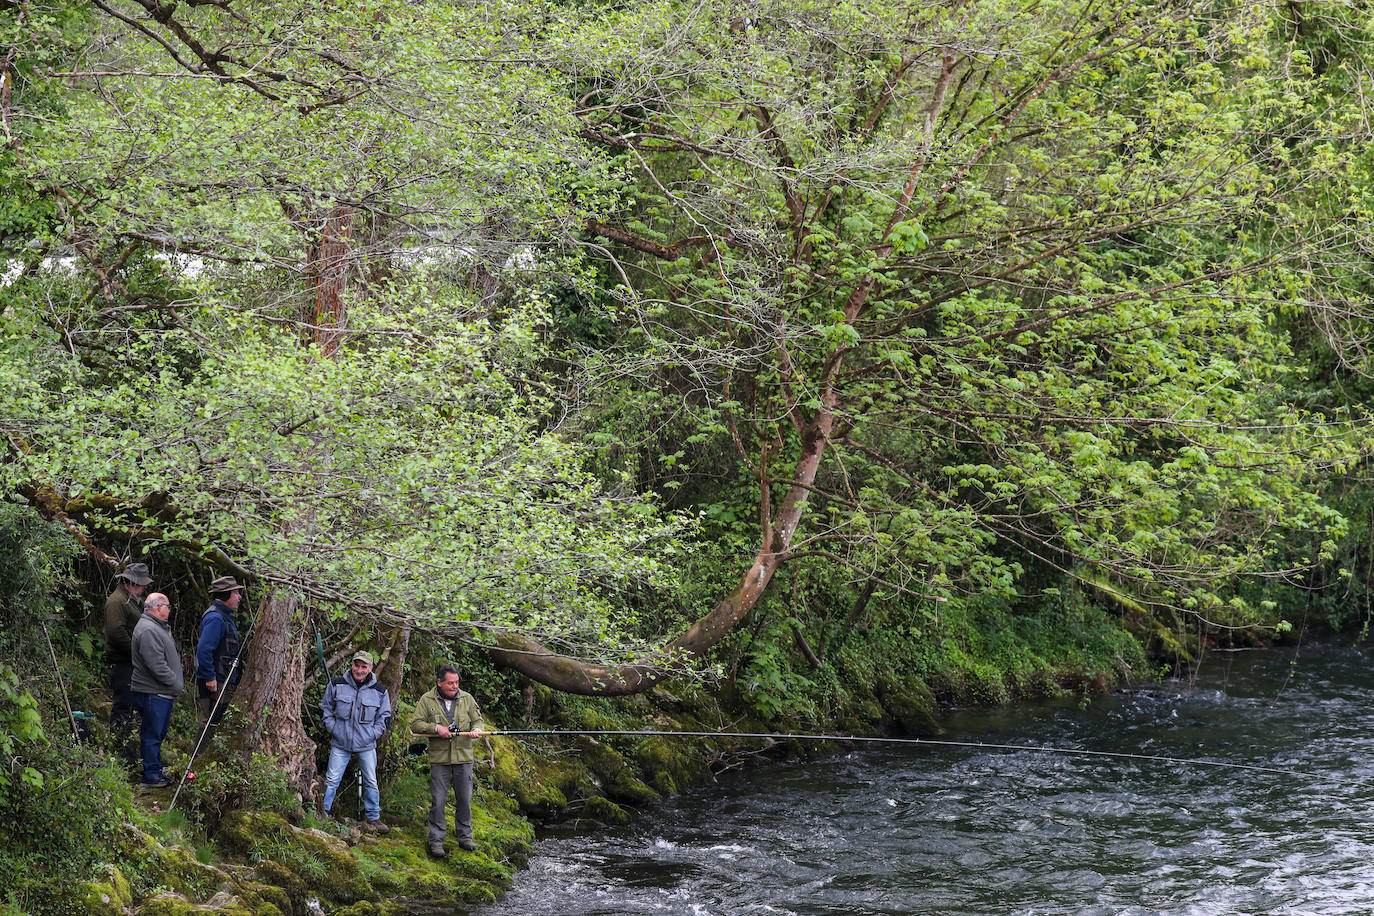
x=918, y=829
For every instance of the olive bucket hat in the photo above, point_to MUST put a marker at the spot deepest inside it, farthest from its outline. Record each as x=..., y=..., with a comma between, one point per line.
x=137, y=573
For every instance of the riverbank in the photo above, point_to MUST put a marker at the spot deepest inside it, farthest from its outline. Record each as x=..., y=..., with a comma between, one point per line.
x=249, y=847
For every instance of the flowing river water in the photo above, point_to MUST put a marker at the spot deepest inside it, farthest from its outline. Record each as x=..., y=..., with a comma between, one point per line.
x=916, y=829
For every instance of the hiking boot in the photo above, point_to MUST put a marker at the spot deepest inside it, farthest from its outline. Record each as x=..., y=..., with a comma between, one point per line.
x=469, y=845
x=376, y=826
x=437, y=850
x=161, y=782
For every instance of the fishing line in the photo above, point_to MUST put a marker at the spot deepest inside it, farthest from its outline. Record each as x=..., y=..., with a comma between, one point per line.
x=983, y=745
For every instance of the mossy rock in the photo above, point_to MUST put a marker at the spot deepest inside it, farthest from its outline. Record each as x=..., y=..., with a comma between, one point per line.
x=399, y=867
x=180, y=870
x=499, y=826
x=668, y=765
x=108, y=897
x=286, y=881
x=361, y=908
x=323, y=863
x=222, y=904
x=912, y=704
x=628, y=789
x=509, y=756
x=597, y=720
x=604, y=810
x=540, y=786
x=604, y=761
x=261, y=896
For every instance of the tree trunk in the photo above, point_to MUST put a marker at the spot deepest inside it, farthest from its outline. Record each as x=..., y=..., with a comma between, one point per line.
x=273, y=688
x=274, y=679
x=390, y=670
x=572, y=675
x=330, y=259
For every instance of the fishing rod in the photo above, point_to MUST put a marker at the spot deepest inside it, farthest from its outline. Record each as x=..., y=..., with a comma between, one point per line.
x=983, y=745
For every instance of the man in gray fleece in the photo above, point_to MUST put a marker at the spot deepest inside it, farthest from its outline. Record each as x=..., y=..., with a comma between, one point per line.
x=157, y=681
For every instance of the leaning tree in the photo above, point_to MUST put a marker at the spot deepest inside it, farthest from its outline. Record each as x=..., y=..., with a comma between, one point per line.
x=970, y=286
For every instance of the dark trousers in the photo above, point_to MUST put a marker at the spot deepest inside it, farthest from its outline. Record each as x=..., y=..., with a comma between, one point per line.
x=441, y=777
x=157, y=717
x=207, y=700
x=123, y=717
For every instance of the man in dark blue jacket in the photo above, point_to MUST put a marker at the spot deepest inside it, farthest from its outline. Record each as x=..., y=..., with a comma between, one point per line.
x=217, y=653
x=357, y=711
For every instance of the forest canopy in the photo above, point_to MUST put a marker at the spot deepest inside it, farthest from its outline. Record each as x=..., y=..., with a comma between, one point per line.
x=563, y=328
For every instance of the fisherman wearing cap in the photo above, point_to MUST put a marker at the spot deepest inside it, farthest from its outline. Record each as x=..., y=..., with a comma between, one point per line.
x=450, y=719
x=123, y=608
x=357, y=710
x=217, y=653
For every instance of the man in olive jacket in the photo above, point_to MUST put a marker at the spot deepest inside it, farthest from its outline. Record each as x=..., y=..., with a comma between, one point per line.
x=449, y=717
x=157, y=681
x=123, y=608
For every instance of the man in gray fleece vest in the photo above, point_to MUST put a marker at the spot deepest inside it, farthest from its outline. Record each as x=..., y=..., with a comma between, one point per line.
x=157, y=681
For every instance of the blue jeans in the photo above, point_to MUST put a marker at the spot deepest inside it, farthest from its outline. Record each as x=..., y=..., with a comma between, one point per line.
x=367, y=770
x=156, y=715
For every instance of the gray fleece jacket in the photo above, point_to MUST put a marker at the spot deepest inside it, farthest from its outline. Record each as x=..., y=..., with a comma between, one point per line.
x=157, y=667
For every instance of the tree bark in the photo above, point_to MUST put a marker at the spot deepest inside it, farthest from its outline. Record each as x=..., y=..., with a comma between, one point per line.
x=273, y=688
x=330, y=260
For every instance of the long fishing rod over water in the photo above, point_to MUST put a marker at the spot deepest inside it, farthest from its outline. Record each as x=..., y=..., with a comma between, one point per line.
x=932, y=742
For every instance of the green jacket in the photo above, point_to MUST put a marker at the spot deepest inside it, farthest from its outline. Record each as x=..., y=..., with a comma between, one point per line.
x=429, y=714
x=122, y=611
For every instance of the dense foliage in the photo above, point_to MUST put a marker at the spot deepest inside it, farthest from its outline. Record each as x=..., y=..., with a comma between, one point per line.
x=978, y=343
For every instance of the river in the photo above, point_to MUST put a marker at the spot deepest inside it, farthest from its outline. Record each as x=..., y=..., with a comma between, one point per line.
x=896, y=829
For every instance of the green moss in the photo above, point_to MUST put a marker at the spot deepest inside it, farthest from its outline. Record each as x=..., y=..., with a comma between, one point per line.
x=361, y=908
x=263, y=898
x=179, y=869
x=285, y=880
x=630, y=790
x=323, y=863
x=912, y=704
x=509, y=755
x=108, y=897
x=541, y=786
x=668, y=765
x=220, y=904
x=605, y=811
x=591, y=719
x=602, y=760
x=400, y=868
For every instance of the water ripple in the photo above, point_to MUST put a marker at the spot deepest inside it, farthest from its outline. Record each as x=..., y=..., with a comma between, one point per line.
x=944, y=830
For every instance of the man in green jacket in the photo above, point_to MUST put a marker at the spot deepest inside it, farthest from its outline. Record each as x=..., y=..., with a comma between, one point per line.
x=123, y=608
x=449, y=717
